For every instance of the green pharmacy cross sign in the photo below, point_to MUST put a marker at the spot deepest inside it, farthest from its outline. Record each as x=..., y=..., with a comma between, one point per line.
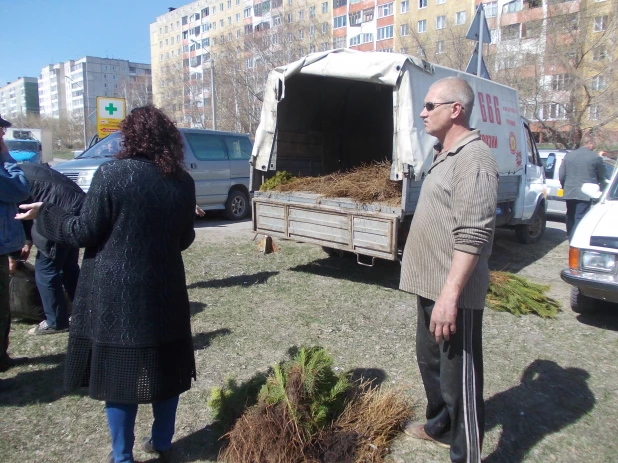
x=111, y=109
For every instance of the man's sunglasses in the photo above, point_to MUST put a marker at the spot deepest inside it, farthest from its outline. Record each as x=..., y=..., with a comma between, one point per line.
x=429, y=106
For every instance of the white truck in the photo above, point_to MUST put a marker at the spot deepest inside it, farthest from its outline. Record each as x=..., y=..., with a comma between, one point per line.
x=336, y=110
x=29, y=145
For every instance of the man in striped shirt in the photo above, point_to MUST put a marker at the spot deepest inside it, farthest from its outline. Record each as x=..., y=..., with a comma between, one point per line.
x=445, y=266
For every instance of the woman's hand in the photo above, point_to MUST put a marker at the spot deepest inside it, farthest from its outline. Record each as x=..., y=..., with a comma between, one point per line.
x=31, y=211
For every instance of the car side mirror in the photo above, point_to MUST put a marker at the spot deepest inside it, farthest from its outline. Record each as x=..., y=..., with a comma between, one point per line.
x=550, y=163
x=592, y=190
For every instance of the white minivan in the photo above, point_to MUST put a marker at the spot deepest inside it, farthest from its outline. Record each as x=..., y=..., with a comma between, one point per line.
x=217, y=161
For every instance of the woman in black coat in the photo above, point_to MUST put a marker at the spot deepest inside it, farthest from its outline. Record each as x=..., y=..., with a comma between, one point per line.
x=130, y=337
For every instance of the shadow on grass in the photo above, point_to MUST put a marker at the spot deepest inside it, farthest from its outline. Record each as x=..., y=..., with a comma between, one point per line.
x=203, y=340
x=383, y=273
x=196, y=307
x=511, y=256
x=39, y=385
x=240, y=280
x=199, y=446
x=605, y=318
x=548, y=399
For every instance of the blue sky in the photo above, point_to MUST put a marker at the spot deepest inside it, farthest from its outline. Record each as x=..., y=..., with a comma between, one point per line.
x=34, y=33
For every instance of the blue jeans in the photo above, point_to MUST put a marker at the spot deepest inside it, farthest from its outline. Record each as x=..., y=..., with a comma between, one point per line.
x=52, y=274
x=576, y=210
x=121, y=422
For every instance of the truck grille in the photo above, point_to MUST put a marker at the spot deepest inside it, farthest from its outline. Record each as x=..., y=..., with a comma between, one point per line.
x=72, y=175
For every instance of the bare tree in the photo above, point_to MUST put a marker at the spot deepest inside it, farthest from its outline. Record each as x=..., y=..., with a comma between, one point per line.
x=136, y=90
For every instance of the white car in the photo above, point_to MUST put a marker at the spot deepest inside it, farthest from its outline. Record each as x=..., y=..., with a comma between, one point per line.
x=552, y=159
x=593, y=252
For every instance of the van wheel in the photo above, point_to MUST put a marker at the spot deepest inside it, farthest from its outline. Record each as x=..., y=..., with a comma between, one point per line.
x=533, y=231
x=581, y=303
x=237, y=205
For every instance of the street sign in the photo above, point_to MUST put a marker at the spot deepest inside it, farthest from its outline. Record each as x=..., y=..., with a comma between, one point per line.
x=473, y=64
x=475, y=30
x=110, y=112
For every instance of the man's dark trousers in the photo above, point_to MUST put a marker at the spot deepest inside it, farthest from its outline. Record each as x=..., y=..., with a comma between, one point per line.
x=452, y=374
x=51, y=274
x=5, y=308
x=576, y=210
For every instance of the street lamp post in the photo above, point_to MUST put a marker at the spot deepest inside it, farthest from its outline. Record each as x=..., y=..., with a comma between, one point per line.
x=212, y=89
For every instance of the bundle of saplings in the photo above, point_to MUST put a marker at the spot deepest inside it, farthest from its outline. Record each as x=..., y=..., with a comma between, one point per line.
x=307, y=413
x=519, y=296
x=365, y=184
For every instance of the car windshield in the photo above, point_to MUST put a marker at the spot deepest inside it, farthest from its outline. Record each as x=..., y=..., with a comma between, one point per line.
x=21, y=145
x=105, y=148
x=612, y=192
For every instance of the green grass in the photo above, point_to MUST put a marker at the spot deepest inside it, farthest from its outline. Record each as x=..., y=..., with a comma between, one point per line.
x=250, y=309
x=63, y=154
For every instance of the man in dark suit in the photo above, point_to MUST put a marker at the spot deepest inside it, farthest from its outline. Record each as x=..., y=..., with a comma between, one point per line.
x=578, y=167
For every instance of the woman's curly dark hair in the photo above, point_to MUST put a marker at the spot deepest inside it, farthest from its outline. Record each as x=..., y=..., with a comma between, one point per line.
x=150, y=134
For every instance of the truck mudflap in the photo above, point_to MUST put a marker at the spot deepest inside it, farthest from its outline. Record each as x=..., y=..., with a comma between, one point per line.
x=366, y=233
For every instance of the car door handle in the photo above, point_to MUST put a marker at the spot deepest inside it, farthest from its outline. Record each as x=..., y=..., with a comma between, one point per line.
x=193, y=165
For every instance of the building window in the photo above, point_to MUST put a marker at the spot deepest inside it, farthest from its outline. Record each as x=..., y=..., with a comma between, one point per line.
x=405, y=6
x=421, y=26
x=301, y=15
x=593, y=112
x=325, y=7
x=324, y=28
x=403, y=50
x=312, y=30
x=600, y=23
x=229, y=20
x=598, y=83
x=290, y=17
x=439, y=47
x=385, y=10
x=249, y=63
x=246, y=12
x=560, y=81
x=301, y=34
x=440, y=2
x=339, y=42
x=440, y=22
x=555, y=111
x=172, y=40
x=460, y=18
x=599, y=54
x=238, y=33
x=355, y=18
x=229, y=36
x=385, y=32
x=275, y=39
x=512, y=7
x=339, y=21
x=512, y=31
x=368, y=15
x=229, y=4
x=491, y=9
x=161, y=44
x=312, y=11
x=422, y=4
x=311, y=48
x=404, y=30
x=237, y=18
x=221, y=23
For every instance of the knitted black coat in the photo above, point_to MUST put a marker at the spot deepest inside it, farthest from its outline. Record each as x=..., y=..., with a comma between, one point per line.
x=130, y=337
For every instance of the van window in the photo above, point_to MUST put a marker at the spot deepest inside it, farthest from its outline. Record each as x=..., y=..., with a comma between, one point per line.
x=206, y=147
x=238, y=148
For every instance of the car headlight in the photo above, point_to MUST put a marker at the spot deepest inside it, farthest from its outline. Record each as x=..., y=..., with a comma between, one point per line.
x=85, y=178
x=598, y=261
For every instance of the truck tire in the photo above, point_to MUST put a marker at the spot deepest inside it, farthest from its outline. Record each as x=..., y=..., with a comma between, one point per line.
x=533, y=231
x=582, y=304
x=237, y=205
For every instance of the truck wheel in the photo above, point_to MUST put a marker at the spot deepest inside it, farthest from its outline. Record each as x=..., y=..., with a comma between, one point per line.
x=533, y=231
x=581, y=303
x=237, y=205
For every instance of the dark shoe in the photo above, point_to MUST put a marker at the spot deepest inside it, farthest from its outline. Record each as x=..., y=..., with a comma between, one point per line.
x=44, y=328
x=7, y=362
x=416, y=429
x=165, y=456
x=7, y=385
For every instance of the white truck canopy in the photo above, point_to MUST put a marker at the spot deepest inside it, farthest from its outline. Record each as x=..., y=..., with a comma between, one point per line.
x=496, y=111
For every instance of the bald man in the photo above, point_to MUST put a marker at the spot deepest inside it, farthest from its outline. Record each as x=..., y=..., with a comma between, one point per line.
x=445, y=267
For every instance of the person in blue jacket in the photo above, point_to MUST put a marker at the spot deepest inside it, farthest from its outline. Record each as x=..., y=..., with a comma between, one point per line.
x=13, y=189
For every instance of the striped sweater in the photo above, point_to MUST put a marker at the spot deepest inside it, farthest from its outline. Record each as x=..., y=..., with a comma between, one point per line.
x=456, y=211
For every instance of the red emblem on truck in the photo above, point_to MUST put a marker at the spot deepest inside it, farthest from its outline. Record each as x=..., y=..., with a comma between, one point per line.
x=512, y=143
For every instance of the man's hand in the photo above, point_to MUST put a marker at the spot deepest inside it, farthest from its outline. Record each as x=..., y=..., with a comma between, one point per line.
x=32, y=210
x=25, y=251
x=443, y=318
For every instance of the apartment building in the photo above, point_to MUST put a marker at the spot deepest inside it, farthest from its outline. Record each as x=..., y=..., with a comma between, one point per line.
x=71, y=87
x=19, y=98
